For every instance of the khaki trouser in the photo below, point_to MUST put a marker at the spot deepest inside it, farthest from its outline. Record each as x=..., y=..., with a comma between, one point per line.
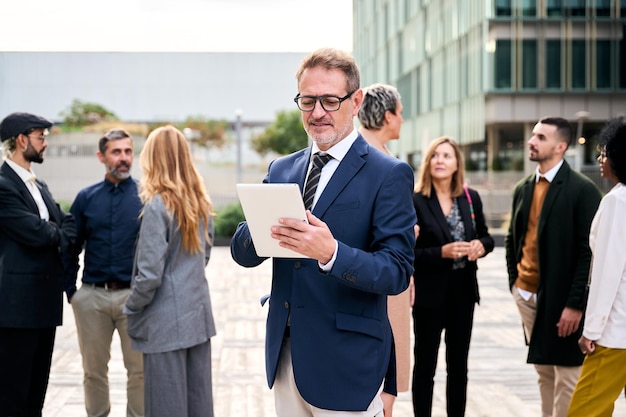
x=289, y=402
x=98, y=314
x=556, y=383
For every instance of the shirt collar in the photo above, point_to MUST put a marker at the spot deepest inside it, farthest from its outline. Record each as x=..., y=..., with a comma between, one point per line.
x=122, y=185
x=339, y=150
x=24, y=174
x=549, y=176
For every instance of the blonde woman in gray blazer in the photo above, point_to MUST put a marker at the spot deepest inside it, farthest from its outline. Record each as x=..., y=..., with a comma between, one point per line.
x=169, y=308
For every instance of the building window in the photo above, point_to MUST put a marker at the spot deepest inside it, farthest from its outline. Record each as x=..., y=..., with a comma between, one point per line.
x=503, y=7
x=603, y=7
x=529, y=8
x=553, y=64
x=574, y=8
x=623, y=8
x=553, y=8
x=405, y=89
x=579, y=64
x=603, y=64
x=529, y=63
x=502, y=64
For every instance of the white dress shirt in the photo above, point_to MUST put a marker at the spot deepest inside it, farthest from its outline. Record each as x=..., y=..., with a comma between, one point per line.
x=605, y=321
x=338, y=151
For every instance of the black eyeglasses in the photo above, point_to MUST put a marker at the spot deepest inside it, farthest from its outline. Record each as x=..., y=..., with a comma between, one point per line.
x=328, y=103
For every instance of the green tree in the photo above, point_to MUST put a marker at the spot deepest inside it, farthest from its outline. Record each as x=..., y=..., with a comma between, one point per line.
x=227, y=220
x=207, y=132
x=81, y=113
x=284, y=136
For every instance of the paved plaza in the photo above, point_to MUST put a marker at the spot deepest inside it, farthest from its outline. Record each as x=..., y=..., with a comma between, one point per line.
x=501, y=384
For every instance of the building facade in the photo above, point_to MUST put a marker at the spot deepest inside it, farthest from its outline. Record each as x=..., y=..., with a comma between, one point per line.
x=149, y=88
x=484, y=71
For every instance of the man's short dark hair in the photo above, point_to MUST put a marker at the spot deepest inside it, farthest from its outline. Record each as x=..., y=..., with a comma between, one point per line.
x=563, y=128
x=113, y=134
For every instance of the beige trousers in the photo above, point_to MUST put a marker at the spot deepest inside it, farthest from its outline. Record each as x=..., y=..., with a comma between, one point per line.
x=289, y=402
x=556, y=383
x=98, y=314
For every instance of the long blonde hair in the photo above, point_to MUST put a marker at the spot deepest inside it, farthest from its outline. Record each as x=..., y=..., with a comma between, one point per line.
x=425, y=181
x=168, y=171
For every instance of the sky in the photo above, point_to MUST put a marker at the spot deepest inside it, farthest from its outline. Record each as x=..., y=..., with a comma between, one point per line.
x=175, y=25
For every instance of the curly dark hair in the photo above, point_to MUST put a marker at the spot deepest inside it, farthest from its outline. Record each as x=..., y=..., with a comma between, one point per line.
x=613, y=140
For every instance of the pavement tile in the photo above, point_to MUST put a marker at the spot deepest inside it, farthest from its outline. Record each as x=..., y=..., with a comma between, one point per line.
x=501, y=384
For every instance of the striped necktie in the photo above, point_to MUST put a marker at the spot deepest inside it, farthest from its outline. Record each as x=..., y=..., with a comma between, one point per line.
x=319, y=160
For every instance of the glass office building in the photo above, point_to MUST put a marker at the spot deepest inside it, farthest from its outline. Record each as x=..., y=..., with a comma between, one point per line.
x=484, y=71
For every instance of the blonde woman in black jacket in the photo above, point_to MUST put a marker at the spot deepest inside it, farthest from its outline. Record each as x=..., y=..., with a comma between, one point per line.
x=453, y=235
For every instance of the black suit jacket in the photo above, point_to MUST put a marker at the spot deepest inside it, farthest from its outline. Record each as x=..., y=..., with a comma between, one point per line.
x=31, y=269
x=432, y=272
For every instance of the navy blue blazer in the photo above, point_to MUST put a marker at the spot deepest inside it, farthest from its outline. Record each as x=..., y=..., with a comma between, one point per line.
x=31, y=269
x=340, y=334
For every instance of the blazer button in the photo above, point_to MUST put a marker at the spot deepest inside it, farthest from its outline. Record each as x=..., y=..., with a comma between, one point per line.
x=287, y=305
x=297, y=264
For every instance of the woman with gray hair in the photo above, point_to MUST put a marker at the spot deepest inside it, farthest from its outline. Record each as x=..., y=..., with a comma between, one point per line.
x=381, y=117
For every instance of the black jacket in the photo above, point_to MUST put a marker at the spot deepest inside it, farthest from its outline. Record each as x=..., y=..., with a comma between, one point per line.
x=432, y=272
x=31, y=269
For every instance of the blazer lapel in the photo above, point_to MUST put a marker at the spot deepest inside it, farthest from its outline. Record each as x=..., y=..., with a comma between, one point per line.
x=527, y=197
x=23, y=189
x=435, y=209
x=551, y=195
x=300, y=168
x=49, y=200
x=348, y=168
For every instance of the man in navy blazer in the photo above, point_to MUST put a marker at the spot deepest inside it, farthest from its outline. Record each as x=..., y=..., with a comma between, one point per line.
x=329, y=341
x=34, y=232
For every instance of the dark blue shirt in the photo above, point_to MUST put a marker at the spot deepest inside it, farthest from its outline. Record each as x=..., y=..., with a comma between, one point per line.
x=107, y=220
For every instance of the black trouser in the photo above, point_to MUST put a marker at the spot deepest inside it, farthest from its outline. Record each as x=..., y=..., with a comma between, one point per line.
x=456, y=315
x=25, y=359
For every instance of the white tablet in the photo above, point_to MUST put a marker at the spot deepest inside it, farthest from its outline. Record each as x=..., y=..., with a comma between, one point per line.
x=263, y=205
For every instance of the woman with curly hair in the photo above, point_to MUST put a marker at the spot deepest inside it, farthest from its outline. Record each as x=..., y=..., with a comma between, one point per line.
x=603, y=375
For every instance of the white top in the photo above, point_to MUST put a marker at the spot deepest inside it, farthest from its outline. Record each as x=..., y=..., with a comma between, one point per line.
x=338, y=151
x=605, y=321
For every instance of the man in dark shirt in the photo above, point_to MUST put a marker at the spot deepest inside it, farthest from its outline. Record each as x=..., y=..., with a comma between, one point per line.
x=107, y=218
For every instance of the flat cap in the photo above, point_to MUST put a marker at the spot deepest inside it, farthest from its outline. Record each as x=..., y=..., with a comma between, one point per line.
x=16, y=123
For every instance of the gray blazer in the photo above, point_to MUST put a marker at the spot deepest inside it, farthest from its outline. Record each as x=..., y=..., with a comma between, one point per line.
x=169, y=307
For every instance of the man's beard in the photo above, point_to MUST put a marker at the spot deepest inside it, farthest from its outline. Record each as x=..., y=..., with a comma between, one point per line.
x=333, y=139
x=31, y=155
x=120, y=175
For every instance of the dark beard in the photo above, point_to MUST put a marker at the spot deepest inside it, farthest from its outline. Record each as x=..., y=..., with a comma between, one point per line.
x=31, y=155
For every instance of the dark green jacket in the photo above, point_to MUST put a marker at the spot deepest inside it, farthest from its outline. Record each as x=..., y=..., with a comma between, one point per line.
x=564, y=258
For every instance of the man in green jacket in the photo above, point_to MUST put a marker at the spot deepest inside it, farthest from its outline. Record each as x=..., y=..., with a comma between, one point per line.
x=548, y=258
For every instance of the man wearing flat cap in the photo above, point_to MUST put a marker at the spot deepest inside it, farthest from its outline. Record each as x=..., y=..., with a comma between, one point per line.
x=34, y=232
